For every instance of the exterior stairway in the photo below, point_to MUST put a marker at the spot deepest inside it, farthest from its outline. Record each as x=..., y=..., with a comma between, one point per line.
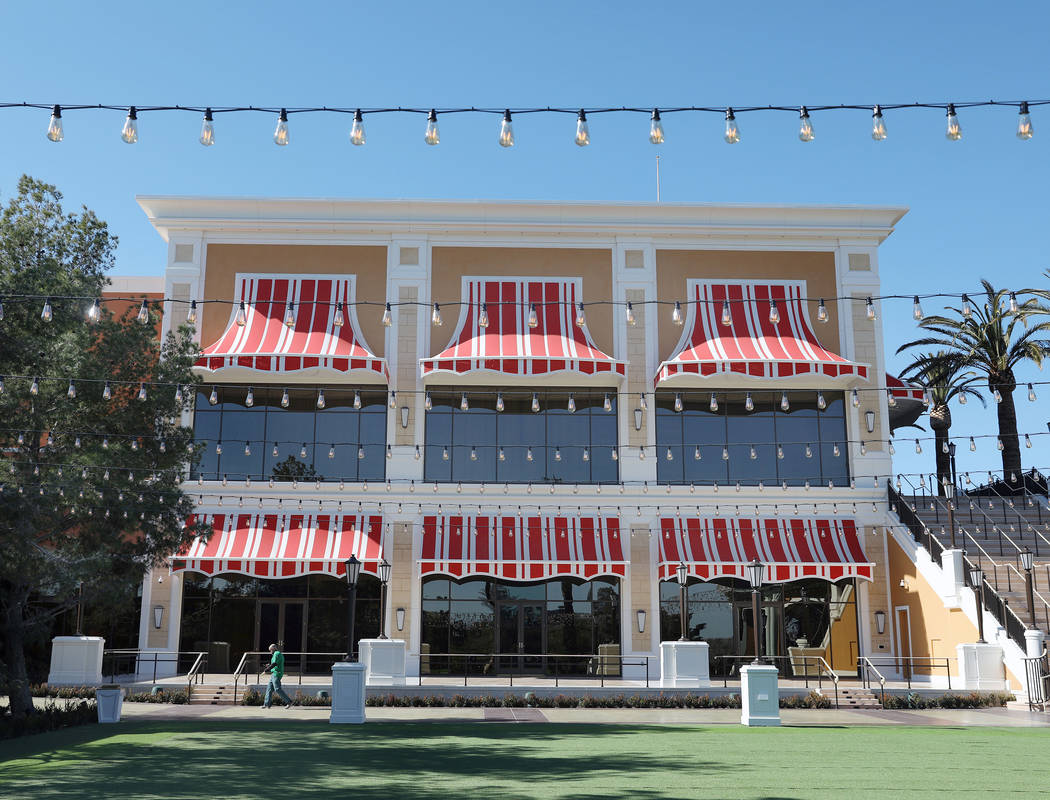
x=211, y=694
x=852, y=697
x=992, y=531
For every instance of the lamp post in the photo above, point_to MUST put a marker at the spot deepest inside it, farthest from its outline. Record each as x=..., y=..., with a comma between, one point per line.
x=977, y=581
x=384, y=577
x=949, y=491
x=951, y=458
x=683, y=575
x=353, y=572
x=1027, y=563
x=755, y=571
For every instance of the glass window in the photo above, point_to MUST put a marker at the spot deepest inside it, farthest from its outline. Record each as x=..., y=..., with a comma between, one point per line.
x=518, y=444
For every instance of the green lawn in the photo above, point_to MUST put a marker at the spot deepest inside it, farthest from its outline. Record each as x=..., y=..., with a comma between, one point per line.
x=455, y=761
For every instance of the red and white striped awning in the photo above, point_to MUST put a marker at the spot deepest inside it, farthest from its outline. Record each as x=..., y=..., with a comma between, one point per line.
x=791, y=548
x=522, y=548
x=284, y=545
x=316, y=342
x=900, y=390
x=752, y=345
x=508, y=345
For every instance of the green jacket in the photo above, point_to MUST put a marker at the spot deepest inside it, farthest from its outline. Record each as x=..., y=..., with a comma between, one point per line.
x=277, y=664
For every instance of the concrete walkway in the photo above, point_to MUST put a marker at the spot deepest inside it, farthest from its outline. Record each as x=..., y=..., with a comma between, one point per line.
x=1018, y=716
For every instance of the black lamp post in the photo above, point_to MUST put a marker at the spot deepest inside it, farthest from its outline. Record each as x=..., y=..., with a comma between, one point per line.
x=353, y=572
x=977, y=581
x=949, y=491
x=1027, y=563
x=951, y=459
x=384, y=577
x=683, y=576
x=755, y=571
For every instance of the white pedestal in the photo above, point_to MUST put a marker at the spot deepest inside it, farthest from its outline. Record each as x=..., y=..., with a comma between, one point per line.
x=954, y=576
x=981, y=667
x=684, y=665
x=759, y=696
x=76, y=661
x=1034, y=641
x=384, y=661
x=110, y=702
x=348, y=693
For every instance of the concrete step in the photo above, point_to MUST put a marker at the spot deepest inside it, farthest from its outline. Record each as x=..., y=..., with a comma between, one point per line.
x=211, y=694
x=855, y=698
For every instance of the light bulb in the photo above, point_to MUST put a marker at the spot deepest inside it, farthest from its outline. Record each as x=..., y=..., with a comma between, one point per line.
x=916, y=309
x=557, y=454
x=280, y=133
x=891, y=401
x=274, y=452
x=142, y=391
x=855, y=398
x=890, y=447
x=357, y=399
x=428, y=404
x=656, y=128
x=967, y=309
x=207, y=129
x=998, y=444
x=774, y=312
x=878, y=125
x=822, y=311
x=431, y=136
x=1024, y=123
x=242, y=317
x=46, y=314
x=780, y=452
x=586, y=454
x=143, y=315
x=809, y=451
x=534, y=319
x=247, y=448
x=483, y=316
x=34, y=387
x=629, y=308
x=677, y=401
x=727, y=316
x=725, y=453
x=435, y=316
x=289, y=315
x=94, y=312
x=249, y=399
x=528, y=454
x=107, y=392
x=130, y=132
x=302, y=451
x=997, y=395
x=1027, y=441
x=1013, y=303
x=732, y=134
x=54, y=127
x=464, y=403
x=696, y=453
x=506, y=130
x=784, y=404
x=805, y=128
x=953, y=131
x=191, y=315
x=501, y=455
x=676, y=313
x=925, y=398
x=499, y=401
x=821, y=402
x=752, y=453
x=583, y=134
x=387, y=317
x=870, y=310
x=418, y=454
x=320, y=398
x=284, y=399
x=607, y=402
x=339, y=318
x=178, y=394
x=444, y=453
x=218, y=447
x=392, y=401
x=535, y=402
x=1031, y=393
x=918, y=447
x=572, y=403
x=357, y=129
x=713, y=405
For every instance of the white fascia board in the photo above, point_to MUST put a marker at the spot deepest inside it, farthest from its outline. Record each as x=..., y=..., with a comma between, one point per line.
x=406, y=217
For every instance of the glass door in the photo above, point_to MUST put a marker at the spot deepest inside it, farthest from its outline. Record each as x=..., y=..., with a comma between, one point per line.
x=281, y=622
x=521, y=640
x=509, y=625
x=530, y=635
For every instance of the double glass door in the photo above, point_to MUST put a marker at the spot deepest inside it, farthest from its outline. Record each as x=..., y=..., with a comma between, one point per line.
x=521, y=639
x=281, y=622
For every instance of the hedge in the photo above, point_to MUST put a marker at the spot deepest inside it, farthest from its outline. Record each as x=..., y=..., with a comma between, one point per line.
x=949, y=700
x=48, y=718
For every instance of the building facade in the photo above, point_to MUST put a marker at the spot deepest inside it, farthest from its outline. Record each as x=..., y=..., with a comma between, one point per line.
x=534, y=413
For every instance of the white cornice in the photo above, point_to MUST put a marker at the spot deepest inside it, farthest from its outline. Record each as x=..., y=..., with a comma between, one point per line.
x=327, y=219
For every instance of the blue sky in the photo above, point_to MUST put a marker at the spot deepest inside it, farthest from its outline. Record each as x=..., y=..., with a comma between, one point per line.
x=976, y=205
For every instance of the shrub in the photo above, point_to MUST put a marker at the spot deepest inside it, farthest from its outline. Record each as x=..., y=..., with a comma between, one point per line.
x=252, y=697
x=48, y=718
x=63, y=692
x=949, y=700
x=159, y=695
x=811, y=700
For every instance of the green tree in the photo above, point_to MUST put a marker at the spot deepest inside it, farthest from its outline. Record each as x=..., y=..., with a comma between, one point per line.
x=90, y=487
x=993, y=339
x=945, y=377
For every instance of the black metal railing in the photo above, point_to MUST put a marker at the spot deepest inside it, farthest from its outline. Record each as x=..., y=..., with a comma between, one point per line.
x=812, y=667
x=866, y=669
x=524, y=666
x=1037, y=681
x=129, y=665
x=296, y=665
x=908, y=667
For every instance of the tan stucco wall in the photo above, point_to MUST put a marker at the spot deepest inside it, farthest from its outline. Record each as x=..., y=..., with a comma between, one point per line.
x=865, y=350
x=878, y=596
x=226, y=260
x=637, y=377
x=450, y=264
x=160, y=595
x=641, y=590
x=407, y=366
x=401, y=580
x=675, y=267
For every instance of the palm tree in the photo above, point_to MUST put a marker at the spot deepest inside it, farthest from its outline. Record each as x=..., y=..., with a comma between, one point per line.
x=988, y=340
x=942, y=375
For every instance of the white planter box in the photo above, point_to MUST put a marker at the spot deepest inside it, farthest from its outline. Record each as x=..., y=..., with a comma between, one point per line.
x=76, y=661
x=384, y=661
x=348, y=694
x=110, y=703
x=759, y=695
x=684, y=665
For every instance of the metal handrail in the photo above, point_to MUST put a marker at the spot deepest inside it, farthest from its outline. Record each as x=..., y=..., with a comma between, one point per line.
x=242, y=666
x=598, y=665
x=831, y=674
x=155, y=656
x=1037, y=681
x=866, y=681
x=196, y=673
x=928, y=662
x=823, y=669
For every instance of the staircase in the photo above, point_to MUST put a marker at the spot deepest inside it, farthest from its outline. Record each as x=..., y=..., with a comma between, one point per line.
x=202, y=694
x=992, y=531
x=851, y=697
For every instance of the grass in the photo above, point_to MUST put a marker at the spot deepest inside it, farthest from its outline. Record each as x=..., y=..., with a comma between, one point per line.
x=305, y=760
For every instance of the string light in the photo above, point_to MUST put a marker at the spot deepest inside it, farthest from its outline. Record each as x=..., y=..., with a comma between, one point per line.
x=431, y=135
x=281, y=136
x=630, y=313
x=483, y=316
x=953, y=132
x=1031, y=393
x=130, y=132
x=435, y=316
x=387, y=316
x=207, y=137
x=774, y=312
x=54, y=127
x=1025, y=130
x=357, y=129
x=191, y=315
x=284, y=399
x=967, y=309
x=583, y=134
x=46, y=314
x=805, y=129
x=506, y=130
x=289, y=315
x=732, y=133
x=878, y=124
x=534, y=319
x=581, y=316
x=656, y=128
x=822, y=311
x=870, y=310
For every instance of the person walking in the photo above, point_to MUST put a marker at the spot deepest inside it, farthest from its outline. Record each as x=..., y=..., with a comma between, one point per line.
x=276, y=670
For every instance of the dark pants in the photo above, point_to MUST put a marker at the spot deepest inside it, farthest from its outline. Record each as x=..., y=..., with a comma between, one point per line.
x=272, y=688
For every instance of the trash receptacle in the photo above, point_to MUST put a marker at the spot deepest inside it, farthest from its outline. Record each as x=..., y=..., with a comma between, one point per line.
x=218, y=655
